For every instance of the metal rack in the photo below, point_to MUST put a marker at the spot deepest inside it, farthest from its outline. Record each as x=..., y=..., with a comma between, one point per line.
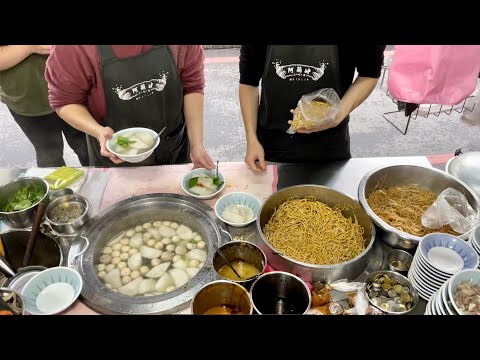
x=431, y=110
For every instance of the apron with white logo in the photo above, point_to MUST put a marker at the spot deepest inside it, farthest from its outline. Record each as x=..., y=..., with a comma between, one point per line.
x=143, y=91
x=292, y=71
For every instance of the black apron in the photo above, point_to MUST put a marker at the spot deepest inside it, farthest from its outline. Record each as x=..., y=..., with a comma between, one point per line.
x=143, y=91
x=290, y=72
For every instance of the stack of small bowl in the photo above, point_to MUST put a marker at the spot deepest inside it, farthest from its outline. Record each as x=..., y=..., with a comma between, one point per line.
x=437, y=259
x=474, y=239
x=443, y=301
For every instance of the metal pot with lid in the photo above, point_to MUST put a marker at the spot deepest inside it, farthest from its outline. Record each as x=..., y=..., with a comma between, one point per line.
x=87, y=248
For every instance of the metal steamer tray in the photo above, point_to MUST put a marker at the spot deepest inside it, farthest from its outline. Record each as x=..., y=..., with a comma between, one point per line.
x=87, y=246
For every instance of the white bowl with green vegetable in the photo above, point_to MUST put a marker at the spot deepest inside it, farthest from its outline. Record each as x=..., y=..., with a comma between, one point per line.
x=19, y=199
x=133, y=145
x=202, y=184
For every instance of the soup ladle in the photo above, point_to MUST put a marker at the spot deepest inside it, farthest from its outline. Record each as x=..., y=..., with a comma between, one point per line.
x=229, y=264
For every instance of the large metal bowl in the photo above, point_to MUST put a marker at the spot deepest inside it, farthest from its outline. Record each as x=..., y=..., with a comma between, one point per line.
x=310, y=272
x=466, y=168
x=124, y=215
x=23, y=218
x=402, y=175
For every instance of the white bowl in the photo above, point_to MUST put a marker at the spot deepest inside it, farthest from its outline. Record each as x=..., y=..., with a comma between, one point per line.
x=194, y=172
x=459, y=278
x=58, y=287
x=238, y=198
x=133, y=158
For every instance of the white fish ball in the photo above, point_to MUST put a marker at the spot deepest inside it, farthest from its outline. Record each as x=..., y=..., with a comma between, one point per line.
x=144, y=269
x=107, y=250
x=176, y=258
x=122, y=265
x=197, y=238
x=158, y=245
x=126, y=280
x=191, y=246
x=180, y=250
x=166, y=241
x=132, y=251
x=155, y=262
x=175, y=239
x=125, y=271
x=135, y=274
x=147, y=236
x=193, y=263
x=116, y=253
x=138, y=228
x=157, y=223
x=201, y=245
x=124, y=241
x=101, y=274
x=116, y=260
x=151, y=242
x=147, y=225
x=174, y=225
x=109, y=267
x=101, y=267
x=166, y=256
x=170, y=247
x=167, y=223
x=124, y=256
x=117, y=247
x=130, y=233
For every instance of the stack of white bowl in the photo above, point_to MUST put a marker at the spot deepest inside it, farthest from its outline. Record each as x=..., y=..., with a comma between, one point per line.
x=437, y=258
x=474, y=239
x=443, y=301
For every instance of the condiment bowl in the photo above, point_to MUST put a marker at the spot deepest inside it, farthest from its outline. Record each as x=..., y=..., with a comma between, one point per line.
x=77, y=224
x=396, y=258
x=58, y=299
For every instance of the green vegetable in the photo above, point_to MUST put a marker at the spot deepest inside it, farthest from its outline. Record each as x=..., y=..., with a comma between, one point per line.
x=192, y=182
x=24, y=198
x=123, y=141
x=217, y=181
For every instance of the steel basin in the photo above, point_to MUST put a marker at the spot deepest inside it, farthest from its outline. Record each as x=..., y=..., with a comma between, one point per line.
x=400, y=175
x=310, y=272
x=122, y=216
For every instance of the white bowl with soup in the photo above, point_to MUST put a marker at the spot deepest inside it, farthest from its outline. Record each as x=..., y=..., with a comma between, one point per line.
x=133, y=145
x=202, y=184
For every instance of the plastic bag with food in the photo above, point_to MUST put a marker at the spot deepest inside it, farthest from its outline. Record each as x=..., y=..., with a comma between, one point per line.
x=450, y=208
x=315, y=109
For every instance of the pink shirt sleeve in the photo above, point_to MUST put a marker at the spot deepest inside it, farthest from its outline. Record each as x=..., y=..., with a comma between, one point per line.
x=192, y=72
x=70, y=74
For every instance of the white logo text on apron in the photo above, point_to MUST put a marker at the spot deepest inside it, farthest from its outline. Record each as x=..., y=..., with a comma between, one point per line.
x=299, y=72
x=142, y=89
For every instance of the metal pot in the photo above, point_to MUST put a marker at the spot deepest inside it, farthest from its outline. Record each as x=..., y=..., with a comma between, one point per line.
x=310, y=272
x=67, y=228
x=466, y=168
x=124, y=215
x=400, y=175
x=23, y=218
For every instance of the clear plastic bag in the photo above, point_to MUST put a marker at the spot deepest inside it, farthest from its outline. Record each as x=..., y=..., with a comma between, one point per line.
x=450, y=208
x=315, y=109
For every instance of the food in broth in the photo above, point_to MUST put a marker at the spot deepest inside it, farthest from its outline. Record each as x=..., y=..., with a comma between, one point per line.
x=151, y=259
x=244, y=269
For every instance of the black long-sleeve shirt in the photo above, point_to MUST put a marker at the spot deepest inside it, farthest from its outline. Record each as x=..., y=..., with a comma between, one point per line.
x=366, y=59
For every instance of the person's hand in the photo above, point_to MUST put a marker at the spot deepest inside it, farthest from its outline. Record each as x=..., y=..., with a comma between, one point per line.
x=103, y=136
x=41, y=49
x=326, y=124
x=200, y=158
x=255, y=157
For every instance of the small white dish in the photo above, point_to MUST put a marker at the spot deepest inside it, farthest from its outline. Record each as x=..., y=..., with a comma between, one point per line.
x=196, y=172
x=52, y=291
x=445, y=259
x=430, y=270
x=137, y=157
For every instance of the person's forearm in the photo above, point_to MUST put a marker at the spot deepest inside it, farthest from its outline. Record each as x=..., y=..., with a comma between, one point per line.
x=80, y=118
x=356, y=94
x=193, y=110
x=11, y=55
x=249, y=106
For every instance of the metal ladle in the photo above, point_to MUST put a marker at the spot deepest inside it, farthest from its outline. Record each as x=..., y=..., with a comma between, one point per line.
x=229, y=264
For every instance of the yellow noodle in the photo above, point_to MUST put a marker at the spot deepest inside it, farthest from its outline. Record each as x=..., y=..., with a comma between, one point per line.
x=403, y=206
x=309, y=231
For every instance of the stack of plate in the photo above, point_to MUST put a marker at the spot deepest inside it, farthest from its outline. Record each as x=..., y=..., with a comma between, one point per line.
x=474, y=239
x=437, y=258
x=442, y=301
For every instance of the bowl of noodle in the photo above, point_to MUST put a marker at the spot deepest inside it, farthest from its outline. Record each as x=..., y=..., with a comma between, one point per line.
x=395, y=198
x=316, y=233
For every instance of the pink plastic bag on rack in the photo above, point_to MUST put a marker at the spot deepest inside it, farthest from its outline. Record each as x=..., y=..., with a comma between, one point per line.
x=434, y=74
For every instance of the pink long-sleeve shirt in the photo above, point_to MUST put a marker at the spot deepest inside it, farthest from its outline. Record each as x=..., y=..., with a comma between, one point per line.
x=74, y=77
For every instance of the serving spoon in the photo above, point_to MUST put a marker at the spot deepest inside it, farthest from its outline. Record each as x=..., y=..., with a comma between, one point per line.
x=229, y=264
x=160, y=133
